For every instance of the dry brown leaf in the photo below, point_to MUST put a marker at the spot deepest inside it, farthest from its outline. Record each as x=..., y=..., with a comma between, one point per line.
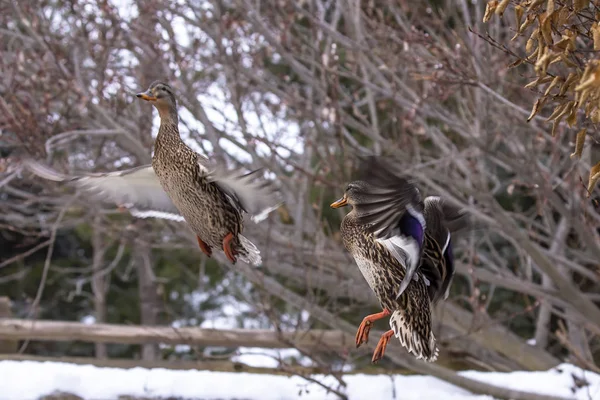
x=555, y=126
x=565, y=59
x=572, y=118
x=541, y=64
x=541, y=50
x=586, y=72
x=583, y=96
x=519, y=10
x=556, y=58
x=539, y=81
x=563, y=43
x=532, y=84
x=528, y=21
x=554, y=82
x=546, y=28
x=590, y=78
x=536, y=108
x=550, y=7
x=489, y=10
x=559, y=111
x=567, y=41
x=578, y=88
x=571, y=79
x=502, y=7
x=516, y=35
x=594, y=177
x=531, y=41
x=589, y=108
x=533, y=56
x=516, y=63
x=579, y=141
x=595, y=29
x=567, y=109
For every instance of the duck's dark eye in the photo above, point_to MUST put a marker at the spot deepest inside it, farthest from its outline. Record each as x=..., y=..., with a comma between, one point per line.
x=161, y=91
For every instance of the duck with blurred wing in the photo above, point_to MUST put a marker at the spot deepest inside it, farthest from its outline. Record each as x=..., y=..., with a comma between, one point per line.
x=402, y=246
x=209, y=197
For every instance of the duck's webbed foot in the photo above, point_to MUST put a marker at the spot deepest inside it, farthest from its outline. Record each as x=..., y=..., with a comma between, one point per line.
x=381, y=345
x=204, y=247
x=362, y=335
x=229, y=252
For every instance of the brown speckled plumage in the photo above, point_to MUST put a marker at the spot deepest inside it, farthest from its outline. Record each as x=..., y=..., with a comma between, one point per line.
x=384, y=273
x=204, y=206
x=211, y=206
x=402, y=247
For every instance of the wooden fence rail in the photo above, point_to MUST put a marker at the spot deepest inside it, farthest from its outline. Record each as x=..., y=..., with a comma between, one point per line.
x=19, y=329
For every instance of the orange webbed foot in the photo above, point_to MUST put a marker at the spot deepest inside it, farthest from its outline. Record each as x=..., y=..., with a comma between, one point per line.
x=362, y=335
x=204, y=247
x=227, y=247
x=381, y=345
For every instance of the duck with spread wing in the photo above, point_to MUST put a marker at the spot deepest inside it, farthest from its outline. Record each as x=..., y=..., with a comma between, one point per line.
x=209, y=197
x=403, y=248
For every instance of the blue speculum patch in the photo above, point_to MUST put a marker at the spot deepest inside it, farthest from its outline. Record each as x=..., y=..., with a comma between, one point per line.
x=410, y=226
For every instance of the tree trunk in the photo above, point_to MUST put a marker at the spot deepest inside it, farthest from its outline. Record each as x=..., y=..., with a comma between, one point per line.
x=151, y=68
x=149, y=299
x=99, y=283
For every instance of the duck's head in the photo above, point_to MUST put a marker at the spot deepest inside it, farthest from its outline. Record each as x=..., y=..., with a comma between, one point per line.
x=354, y=194
x=161, y=96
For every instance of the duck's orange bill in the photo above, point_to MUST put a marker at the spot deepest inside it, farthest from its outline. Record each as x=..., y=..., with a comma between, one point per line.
x=146, y=96
x=340, y=203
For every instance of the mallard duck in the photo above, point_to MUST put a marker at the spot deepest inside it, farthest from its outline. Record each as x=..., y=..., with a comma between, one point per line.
x=402, y=246
x=210, y=198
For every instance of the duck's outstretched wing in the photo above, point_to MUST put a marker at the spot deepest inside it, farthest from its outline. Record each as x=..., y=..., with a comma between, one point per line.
x=443, y=221
x=388, y=197
x=249, y=192
x=137, y=186
x=391, y=206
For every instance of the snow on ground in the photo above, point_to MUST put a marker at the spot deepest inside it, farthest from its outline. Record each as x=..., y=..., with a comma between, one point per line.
x=26, y=380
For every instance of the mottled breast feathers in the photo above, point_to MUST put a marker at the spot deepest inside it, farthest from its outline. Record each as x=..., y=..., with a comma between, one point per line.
x=416, y=231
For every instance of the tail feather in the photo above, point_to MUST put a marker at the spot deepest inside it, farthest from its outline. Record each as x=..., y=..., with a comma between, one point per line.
x=416, y=336
x=251, y=255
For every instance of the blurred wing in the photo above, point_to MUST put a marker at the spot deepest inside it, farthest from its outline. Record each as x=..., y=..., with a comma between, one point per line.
x=138, y=186
x=389, y=197
x=249, y=192
x=155, y=214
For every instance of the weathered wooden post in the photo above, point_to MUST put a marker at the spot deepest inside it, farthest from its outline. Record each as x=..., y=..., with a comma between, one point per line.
x=7, y=346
